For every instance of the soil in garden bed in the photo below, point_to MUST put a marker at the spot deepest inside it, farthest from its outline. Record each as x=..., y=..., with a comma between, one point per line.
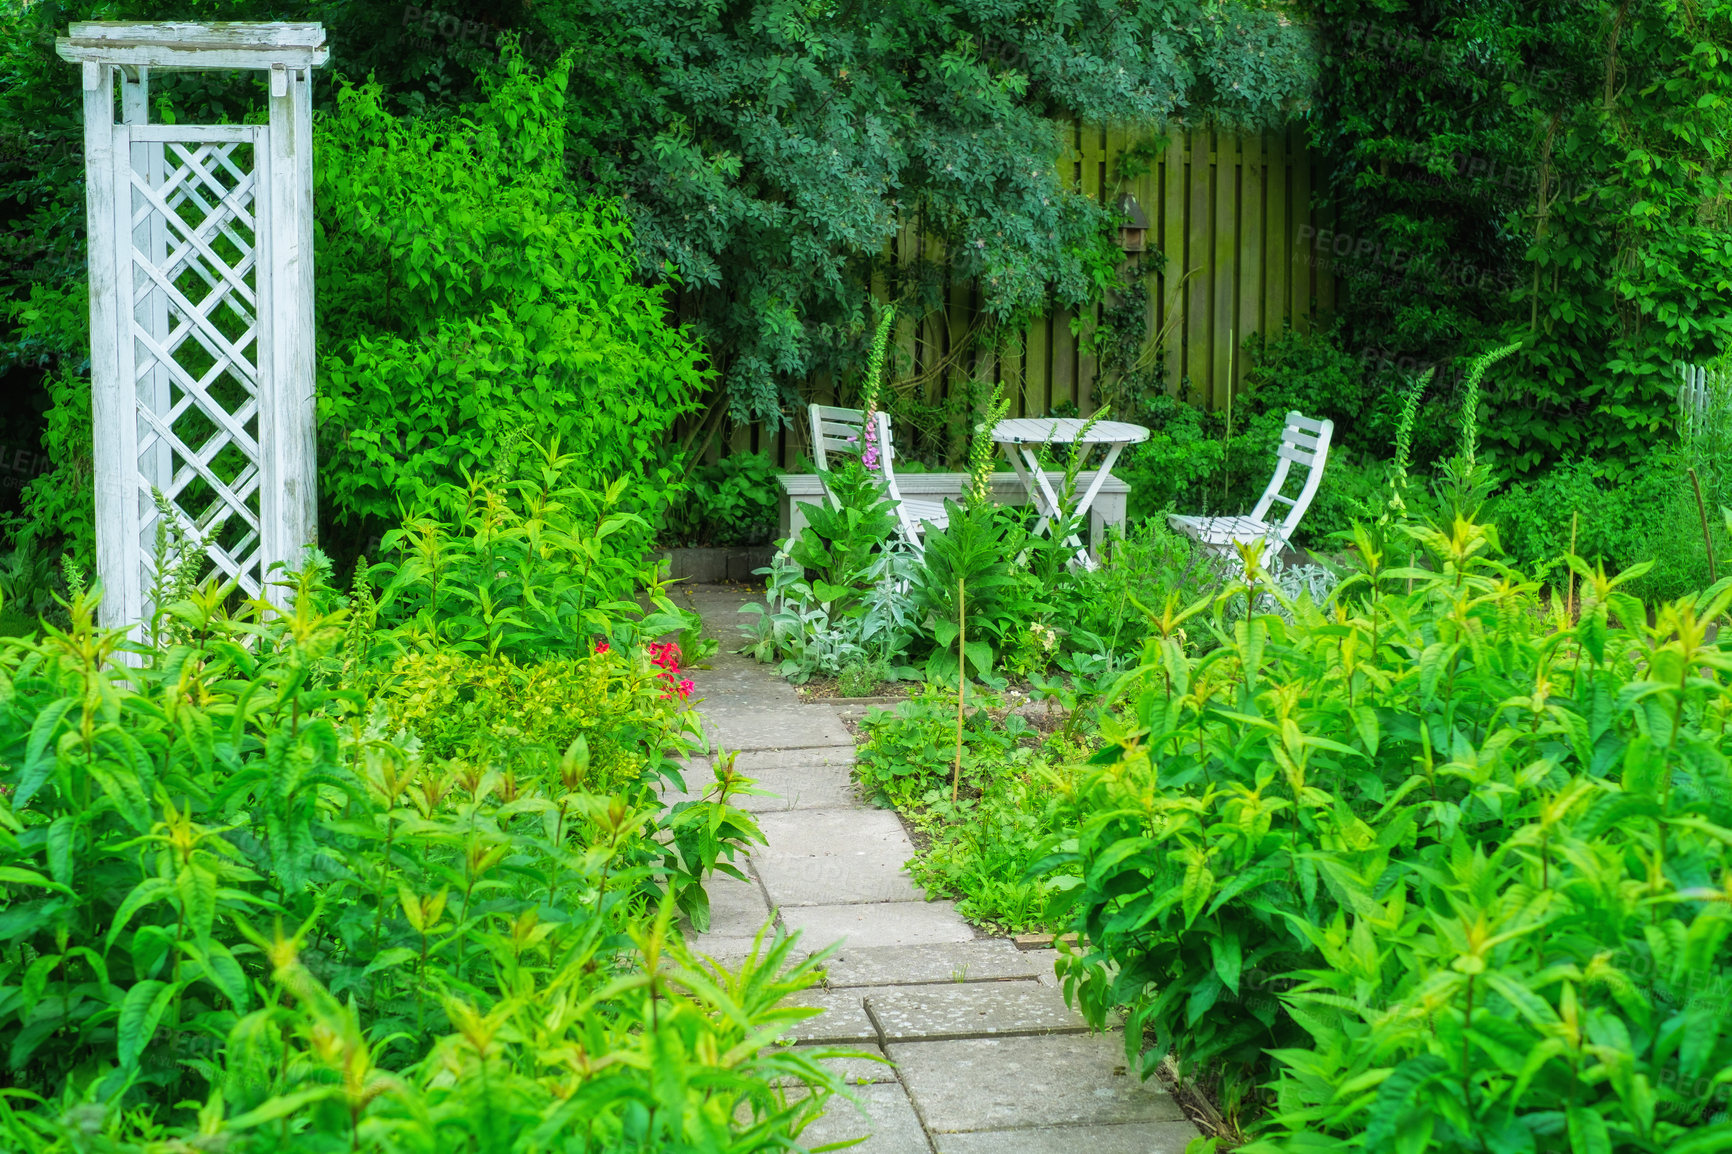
x=829, y=691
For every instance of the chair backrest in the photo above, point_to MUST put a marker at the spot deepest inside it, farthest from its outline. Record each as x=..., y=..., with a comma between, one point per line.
x=1304, y=442
x=840, y=431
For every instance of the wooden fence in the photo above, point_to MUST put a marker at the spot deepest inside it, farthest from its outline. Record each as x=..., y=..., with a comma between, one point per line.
x=1231, y=214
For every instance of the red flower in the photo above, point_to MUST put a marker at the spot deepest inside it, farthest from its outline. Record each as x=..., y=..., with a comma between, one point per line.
x=664, y=655
x=601, y=647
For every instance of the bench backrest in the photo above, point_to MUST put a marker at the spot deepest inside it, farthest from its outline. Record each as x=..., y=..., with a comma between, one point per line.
x=1305, y=443
x=842, y=431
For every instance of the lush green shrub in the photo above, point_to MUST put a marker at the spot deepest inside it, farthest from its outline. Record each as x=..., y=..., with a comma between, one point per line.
x=467, y=297
x=524, y=718
x=1455, y=863
x=1311, y=371
x=909, y=750
x=770, y=152
x=526, y=561
x=732, y=502
x=1619, y=516
x=835, y=596
x=1549, y=172
x=304, y=881
x=1195, y=462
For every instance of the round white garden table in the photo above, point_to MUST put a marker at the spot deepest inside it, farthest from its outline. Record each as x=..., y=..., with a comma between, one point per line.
x=1023, y=439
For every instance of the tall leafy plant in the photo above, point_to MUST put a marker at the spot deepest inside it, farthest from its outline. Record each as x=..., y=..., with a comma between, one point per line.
x=468, y=298
x=965, y=572
x=264, y=888
x=1445, y=864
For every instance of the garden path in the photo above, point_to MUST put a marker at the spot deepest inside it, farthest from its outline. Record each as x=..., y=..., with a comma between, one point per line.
x=985, y=1056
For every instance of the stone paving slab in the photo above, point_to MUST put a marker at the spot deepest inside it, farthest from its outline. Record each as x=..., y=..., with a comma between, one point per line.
x=987, y=959
x=883, y=1112
x=737, y=908
x=757, y=727
x=730, y=950
x=854, y=1071
x=844, y=1019
x=1135, y=1138
x=734, y=681
x=786, y=787
x=755, y=762
x=970, y=1010
x=1014, y=1083
x=824, y=857
x=878, y=924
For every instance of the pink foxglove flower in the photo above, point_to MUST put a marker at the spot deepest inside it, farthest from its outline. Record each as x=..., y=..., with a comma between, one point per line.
x=869, y=454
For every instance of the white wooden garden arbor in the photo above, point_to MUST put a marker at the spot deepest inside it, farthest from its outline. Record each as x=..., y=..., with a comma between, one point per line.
x=201, y=304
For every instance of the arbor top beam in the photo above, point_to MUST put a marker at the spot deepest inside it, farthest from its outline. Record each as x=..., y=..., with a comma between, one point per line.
x=195, y=46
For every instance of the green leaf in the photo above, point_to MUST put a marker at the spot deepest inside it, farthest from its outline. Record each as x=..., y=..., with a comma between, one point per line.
x=141, y=1012
x=14, y=875
x=1199, y=883
x=1588, y=1133
x=37, y=766
x=1400, y=1103
x=145, y=893
x=387, y=959
x=223, y=971
x=197, y=888
x=1225, y=952
x=281, y=1107
x=61, y=863
x=122, y=786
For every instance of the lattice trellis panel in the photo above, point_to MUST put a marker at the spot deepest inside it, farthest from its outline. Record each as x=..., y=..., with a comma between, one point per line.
x=201, y=308
x=195, y=217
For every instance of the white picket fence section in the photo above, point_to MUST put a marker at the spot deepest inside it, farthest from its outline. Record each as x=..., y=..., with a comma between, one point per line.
x=1699, y=391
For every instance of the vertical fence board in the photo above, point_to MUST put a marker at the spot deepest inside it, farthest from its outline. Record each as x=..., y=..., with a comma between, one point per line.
x=1275, y=234
x=1250, y=247
x=1172, y=241
x=1061, y=347
x=1037, y=379
x=1299, y=212
x=1199, y=255
x=1225, y=328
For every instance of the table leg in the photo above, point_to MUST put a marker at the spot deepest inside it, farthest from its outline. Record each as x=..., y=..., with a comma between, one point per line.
x=1081, y=512
x=1054, y=509
x=1027, y=469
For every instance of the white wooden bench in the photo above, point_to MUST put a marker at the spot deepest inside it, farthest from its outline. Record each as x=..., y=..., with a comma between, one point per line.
x=802, y=489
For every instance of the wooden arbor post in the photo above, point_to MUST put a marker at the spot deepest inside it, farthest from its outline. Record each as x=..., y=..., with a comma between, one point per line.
x=201, y=307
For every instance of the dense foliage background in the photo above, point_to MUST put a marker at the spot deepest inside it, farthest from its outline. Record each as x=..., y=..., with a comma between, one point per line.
x=1558, y=173
x=755, y=155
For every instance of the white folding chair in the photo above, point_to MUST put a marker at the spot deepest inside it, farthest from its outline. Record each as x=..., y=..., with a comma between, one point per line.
x=841, y=431
x=1304, y=442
